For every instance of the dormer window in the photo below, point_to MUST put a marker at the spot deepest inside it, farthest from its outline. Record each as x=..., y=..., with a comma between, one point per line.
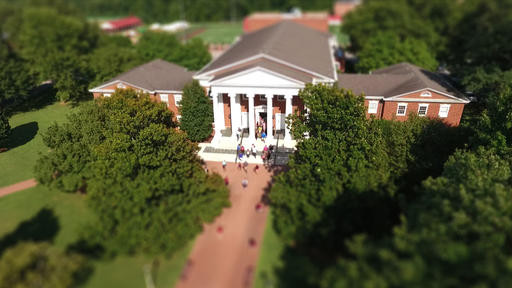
x=426, y=94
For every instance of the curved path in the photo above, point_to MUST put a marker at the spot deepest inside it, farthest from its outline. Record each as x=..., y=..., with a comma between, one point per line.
x=224, y=257
x=4, y=191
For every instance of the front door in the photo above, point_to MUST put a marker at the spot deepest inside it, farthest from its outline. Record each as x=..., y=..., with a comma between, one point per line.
x=245, y=120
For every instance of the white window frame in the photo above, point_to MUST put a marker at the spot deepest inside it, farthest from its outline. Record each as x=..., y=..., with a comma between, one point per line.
x=164, y=98
x=398, y=109
x=426, y=94
x=177, y=99
x=107, y=94
x=426, y=109
x=373, y=110
x=263, y=98
x=178, y=117
x=280, y=98
x=121, y=86
x=442, y=113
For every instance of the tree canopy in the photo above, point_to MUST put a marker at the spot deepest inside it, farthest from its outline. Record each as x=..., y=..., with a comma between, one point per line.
x=340, y=155
x=385, y=49
x=196, y=112
x=5, y=128
x=193, y=54
x=31, y=264
x=142, y=177
x=456, y=235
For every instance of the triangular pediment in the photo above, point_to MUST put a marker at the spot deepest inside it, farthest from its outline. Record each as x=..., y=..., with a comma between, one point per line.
x=258, y=77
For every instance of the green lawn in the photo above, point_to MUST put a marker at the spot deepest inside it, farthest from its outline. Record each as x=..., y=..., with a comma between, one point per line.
x=270, y=261
x=26, y=143
x=58, y=217
x=218, y=32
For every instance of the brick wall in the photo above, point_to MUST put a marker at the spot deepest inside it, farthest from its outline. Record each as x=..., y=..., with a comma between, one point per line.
x=453, y=119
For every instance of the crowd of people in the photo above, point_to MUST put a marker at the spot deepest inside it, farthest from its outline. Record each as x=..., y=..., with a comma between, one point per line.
x=245, y=153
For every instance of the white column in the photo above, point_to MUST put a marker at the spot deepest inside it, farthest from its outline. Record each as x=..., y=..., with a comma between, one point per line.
x=216, y=112
x=235, y=115
x=216, y=117
x=252, y=128
x=270, y=124
x=288, y=110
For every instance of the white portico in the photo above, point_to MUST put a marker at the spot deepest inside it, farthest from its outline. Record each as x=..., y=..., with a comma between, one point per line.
x=258, y=85
x=255, y=84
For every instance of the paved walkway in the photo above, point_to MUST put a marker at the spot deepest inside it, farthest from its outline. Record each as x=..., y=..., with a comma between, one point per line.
x=17, y=187
x=224, y=257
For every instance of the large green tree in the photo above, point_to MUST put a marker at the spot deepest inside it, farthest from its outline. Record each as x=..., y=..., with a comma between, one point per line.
x=386, y=49
x=492, y=120
x=456, y=235
x=5, y=128
x=109, y=61
x=15, y=81
x=142, y=177
x=192, y=55
x=339, y=155
x=397, y=17
x=38, y=265
x=55, y=46
x=196, y=112
x=481, y=37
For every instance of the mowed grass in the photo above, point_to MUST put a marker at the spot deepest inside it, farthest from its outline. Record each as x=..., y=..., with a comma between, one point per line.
x=25, y=143
x=270, y=260
x=218, y=32
x=41, y=215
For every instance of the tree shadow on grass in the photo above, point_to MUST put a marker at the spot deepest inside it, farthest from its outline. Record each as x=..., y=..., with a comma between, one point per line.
x=43, y=226
x=87, y=248
x=22, y=134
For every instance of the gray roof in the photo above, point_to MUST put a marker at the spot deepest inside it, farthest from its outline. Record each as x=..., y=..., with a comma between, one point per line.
x=287, y=41
x=396, y=80
x=156, y=75
x=270, y=65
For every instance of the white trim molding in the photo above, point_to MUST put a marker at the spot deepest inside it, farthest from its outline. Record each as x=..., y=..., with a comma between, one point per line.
x=433, y=90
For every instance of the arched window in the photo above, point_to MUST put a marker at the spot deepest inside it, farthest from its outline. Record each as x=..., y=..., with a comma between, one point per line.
x=426, y=94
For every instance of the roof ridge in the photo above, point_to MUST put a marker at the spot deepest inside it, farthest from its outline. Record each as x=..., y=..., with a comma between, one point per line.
x=274, y=36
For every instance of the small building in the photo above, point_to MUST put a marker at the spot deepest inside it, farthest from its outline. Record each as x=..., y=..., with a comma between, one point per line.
x=396, y=91
x=163, y=80
x=120, y=25
x=315, y=20
x=342, y=7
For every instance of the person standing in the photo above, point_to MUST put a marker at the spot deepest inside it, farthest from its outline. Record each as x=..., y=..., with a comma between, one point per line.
x=253, y=150
x=224, y=164
x=263, y=136
x=238, y=134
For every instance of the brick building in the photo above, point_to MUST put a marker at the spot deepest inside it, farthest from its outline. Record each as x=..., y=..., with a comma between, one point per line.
x=398, y=90
x=258, y=80
x=162, y=80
